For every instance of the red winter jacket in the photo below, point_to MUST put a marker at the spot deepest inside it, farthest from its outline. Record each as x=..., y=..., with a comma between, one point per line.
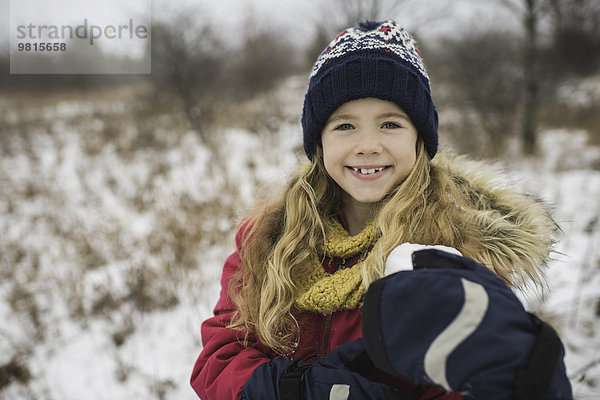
x=225, y=364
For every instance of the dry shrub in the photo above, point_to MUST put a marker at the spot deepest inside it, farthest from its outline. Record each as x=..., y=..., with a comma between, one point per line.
x=161, y=387
x=197, y=72
x=575, y=38
x=24, y=302
x=482, y=81
x=122, y=332
x=148, y=289
x=14, y=371
x=582, y=117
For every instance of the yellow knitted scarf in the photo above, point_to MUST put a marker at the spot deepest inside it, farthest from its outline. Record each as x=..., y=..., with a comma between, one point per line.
x=325, y=293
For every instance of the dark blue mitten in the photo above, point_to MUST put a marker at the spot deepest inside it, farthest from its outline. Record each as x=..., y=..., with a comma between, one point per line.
x=454, y=323
x=264, y=382
x=336, y=377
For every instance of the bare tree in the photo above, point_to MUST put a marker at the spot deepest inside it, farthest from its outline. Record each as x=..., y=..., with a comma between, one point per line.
x=532, y=84
x=575, y=36
x=480, y=70
x=186, y=66
x=529, y=13
x=336, y=15
x=350, y=12
x=263, y=58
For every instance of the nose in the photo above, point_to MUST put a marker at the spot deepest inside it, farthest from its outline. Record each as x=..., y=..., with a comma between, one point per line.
x=368, y=143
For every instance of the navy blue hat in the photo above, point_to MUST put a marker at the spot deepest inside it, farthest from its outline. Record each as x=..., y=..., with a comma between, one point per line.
x=375, y=59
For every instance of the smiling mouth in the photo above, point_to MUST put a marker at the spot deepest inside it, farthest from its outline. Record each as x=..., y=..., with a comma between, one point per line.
x=367, y=171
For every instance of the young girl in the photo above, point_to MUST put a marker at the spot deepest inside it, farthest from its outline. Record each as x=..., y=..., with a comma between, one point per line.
x=295, y=286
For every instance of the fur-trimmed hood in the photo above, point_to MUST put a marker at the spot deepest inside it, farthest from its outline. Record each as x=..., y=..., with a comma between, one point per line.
x=518, y=231
x=509, y=232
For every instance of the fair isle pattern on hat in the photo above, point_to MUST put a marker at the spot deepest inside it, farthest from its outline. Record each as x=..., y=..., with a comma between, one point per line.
x=375, y=59
x=388, y=37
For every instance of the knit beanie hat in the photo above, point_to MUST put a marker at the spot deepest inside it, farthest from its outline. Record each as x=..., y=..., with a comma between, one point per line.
x=375, y=59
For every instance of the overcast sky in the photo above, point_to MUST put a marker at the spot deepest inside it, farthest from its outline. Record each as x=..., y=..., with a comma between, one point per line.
x=295, y=19
x=430, y=17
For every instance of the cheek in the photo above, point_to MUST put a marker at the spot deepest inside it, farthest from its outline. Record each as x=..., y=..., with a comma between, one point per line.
x=329, y=164
x=408, y=152
x=407, y=158
x=411, y=151
x=413, y=157
x=331, y=157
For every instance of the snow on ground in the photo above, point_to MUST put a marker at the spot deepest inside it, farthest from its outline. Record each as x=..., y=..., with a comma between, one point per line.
x=110, y=254
x=572, y=301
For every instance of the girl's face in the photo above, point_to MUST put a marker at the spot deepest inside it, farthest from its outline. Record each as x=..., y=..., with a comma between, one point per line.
x=369, y=147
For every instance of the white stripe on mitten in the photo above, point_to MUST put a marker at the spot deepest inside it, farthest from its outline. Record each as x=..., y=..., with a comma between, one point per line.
x=400, y=259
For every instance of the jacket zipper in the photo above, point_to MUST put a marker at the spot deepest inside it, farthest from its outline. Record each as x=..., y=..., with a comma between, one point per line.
x=341, y=265
x=326, y=337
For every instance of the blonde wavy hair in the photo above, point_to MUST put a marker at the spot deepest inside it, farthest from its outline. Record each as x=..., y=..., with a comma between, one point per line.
x=281, y=239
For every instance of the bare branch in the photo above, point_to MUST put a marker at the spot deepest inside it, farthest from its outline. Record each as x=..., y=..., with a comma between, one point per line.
x=514, y=6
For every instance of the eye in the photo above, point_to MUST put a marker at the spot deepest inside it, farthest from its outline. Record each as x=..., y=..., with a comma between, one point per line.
x=344, y=127
x=390, y=125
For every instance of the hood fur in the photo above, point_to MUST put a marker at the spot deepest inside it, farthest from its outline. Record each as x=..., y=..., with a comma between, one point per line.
x=518, y=231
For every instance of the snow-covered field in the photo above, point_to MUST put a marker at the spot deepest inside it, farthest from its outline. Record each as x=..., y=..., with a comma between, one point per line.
x=114, y=227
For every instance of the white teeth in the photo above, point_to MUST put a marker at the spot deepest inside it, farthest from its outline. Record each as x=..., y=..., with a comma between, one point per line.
x=366, y=171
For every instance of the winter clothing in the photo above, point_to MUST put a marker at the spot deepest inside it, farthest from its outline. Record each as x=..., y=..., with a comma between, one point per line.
x=401, y=258
x=518, y=232
x=375, y=59
x=517, y=236
x=469, y=332
x=337, y=376
x=343, y=290
x=225, y=364
x=330, y=360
